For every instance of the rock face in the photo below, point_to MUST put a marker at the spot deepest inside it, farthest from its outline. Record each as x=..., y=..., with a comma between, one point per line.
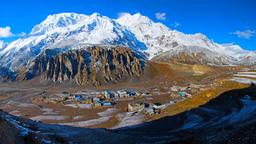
x=93, y=66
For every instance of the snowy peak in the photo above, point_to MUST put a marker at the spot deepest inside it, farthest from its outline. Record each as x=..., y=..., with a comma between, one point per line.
x=201, y=36
x=160, y=39
x=134, y=20
x=137, y=22
x=57, y=21
x=154, y=35
x=70, y=21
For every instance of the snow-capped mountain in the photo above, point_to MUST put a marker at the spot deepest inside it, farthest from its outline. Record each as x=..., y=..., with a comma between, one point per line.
x=242, y=56
x=64, y=31
x=161, y=39
x=67, y=30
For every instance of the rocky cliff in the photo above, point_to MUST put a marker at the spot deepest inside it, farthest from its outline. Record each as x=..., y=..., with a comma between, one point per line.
x=88, y=66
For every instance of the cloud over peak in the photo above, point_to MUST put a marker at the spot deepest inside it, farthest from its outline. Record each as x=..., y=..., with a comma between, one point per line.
x=121, y=14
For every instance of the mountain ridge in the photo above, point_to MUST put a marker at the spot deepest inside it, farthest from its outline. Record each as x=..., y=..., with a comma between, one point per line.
x=149, y=39
x=159, y=38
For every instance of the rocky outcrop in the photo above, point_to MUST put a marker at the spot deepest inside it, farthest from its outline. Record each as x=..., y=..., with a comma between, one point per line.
x=95, y=65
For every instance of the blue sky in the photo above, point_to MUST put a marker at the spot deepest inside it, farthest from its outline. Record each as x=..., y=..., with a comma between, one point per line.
x=224, y=21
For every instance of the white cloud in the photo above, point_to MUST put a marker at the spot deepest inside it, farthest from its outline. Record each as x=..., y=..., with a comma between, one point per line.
x=246, y=34
x=121, y=14
x=160, y=16
x=5, y=32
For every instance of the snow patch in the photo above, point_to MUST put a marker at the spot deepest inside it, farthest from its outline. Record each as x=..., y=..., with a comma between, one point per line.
x=49, y=117
x=88, y=122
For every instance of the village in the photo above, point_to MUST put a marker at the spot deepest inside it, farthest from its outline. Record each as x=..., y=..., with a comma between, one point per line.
x=138, y=100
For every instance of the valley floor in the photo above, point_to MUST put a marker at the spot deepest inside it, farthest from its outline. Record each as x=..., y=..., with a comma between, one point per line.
x=21, y=99
x=215, y=122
